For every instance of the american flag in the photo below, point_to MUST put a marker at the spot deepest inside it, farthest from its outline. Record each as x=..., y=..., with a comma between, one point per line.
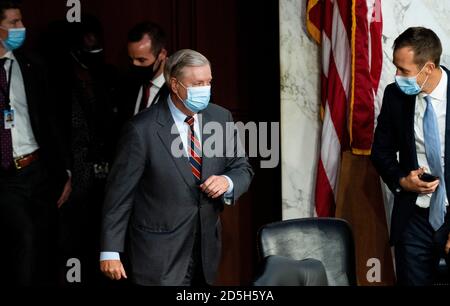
x=350, y=33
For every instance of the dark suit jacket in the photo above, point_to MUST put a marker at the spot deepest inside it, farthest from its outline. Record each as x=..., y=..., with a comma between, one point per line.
x=42, y=109
x=152, y=199
x=395, y=134
x=128, y=97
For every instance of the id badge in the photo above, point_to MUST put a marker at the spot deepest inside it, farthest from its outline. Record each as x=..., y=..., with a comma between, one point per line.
x=9, y=119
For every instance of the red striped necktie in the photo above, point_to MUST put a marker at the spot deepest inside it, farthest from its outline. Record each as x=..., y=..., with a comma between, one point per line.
x=195, y=152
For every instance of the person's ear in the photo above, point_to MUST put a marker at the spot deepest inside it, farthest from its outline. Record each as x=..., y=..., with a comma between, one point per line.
x=3, y=34
x=173, y=85
x=163, y=54
x=429, y=67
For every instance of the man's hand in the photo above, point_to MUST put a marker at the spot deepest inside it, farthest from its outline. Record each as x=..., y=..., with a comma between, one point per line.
x=413, y=183
x=215, y=186
x=113, y=269
x=66, y=193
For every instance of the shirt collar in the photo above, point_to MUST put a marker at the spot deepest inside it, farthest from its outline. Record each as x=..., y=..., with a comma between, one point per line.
x=440, y=91
x=178, y=116
x=159, y=81
x=9, y=55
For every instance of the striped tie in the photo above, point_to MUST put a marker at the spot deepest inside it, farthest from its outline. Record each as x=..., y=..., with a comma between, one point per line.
x=195, y=152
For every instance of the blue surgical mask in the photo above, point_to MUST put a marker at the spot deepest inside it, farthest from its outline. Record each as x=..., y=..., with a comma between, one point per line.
x=16, y=38
x=197, y=98
x=409, y=84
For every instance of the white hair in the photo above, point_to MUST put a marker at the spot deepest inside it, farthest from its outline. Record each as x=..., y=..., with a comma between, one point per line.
x=181, y=59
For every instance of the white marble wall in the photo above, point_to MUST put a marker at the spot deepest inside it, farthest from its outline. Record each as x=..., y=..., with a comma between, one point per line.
x=300, y=71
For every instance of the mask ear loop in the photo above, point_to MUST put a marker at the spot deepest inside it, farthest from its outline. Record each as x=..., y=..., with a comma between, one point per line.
x=160, y=62
x=426, y=80
x=181, y=100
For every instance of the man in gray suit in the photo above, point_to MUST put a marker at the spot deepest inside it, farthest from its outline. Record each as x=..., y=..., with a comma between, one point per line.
x=162, y=210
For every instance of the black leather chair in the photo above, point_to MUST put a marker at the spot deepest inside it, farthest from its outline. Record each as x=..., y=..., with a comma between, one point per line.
x=283, y=271
x=327, y=240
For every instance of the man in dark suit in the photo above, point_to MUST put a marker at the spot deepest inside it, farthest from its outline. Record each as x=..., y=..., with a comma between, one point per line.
x=415, y=123
x=147, y=53
x=33, y=177
x=162, y=208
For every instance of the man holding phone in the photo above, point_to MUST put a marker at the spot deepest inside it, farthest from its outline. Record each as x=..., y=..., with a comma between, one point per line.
x=413, y=122
x=426, y=177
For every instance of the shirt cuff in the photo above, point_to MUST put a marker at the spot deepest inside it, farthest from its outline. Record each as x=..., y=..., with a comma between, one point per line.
x=230, y=190
x=228, y=196
x=109, y=256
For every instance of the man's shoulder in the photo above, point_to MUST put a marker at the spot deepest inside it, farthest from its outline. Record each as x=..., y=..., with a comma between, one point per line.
x=392, y=89
x=215, y=110
x=147, y=117
x=28, y=57
x=393, y=95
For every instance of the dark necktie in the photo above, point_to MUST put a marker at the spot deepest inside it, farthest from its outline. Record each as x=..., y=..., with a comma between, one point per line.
x=145, y=95
x=195, y=152
x=6, y=147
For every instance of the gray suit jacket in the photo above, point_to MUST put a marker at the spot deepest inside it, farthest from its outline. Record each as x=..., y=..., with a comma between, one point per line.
x=152, y=203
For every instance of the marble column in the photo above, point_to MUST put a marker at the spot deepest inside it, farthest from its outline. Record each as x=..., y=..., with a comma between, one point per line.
x=300, y=124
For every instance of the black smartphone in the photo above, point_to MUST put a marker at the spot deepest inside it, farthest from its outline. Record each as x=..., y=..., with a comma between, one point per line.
x=426, y=177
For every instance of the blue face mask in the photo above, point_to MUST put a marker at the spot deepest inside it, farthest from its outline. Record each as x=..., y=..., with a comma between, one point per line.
x=409, y=84
x=198, y=98
x=16, y=38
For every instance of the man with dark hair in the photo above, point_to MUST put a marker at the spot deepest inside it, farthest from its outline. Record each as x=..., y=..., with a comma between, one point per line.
x=425, y=44
x=414, y=123
x=147, y=53
x=33, y=161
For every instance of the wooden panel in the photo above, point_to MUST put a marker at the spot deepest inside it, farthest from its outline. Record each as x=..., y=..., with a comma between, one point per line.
x=360, y=202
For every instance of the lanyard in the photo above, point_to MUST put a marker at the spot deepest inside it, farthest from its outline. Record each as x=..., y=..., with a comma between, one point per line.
x=6, y=93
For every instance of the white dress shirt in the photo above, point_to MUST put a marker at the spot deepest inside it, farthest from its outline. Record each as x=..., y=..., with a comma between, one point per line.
x=23, y=139
x=183, y=129
x=157, y=83
x=439, y=102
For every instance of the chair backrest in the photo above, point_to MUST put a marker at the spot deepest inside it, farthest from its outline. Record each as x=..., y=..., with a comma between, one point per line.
x=281, y=271
x=325, y=239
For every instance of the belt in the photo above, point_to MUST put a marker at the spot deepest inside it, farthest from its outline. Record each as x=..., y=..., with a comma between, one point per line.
x=25, y=160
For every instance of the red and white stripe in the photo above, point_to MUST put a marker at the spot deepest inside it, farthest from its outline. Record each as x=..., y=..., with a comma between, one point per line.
x=367, y=67
x=336, y=84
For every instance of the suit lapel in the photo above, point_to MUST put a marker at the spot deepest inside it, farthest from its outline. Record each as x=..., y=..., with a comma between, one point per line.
x=207, y=162
x=161, y=95
x=411, y=113
x=24, y=67
x=447, y=138
x=166, y=121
